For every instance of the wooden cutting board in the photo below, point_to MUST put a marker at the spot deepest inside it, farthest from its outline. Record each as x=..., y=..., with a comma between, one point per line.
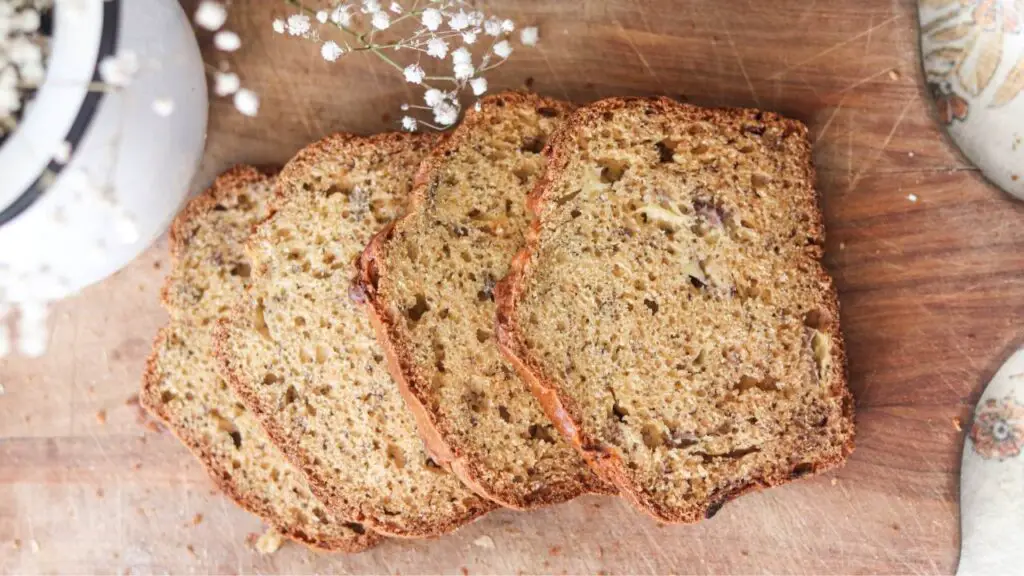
x=931, y=291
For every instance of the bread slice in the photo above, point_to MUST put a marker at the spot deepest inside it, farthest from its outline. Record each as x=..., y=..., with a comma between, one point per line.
x=181, y=386
x=428, y=282
x=670, y=310
x=301, y=353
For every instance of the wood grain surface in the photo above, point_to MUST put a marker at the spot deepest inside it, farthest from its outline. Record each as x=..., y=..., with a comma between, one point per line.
x=932, y=297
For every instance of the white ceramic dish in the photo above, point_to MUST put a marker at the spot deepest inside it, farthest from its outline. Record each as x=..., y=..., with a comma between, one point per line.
x=56, y=238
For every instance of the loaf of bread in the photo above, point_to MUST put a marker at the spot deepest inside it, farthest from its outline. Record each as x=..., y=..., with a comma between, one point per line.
x=670, y=310
x=181, y=386
x=300, y=351
x=428, y=282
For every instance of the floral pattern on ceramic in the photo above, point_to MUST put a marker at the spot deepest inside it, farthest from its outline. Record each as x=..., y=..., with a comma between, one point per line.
x=992, y=477
x=973, y=52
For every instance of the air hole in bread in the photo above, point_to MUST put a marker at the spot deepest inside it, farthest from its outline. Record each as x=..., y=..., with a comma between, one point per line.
x=612, y=170
x=541, y=432
x=523, y=174
x=235, y=464
x=533, y=144
x=699, y=149
x=575, y=213
x=482, y=335
x=244, y=202
x=241, y=270
x=548, y=112
x=336, y=189
x=619, y=412
x=759, y=181
x=503, y=413
x=355, y=527
x=291, y=395
x=666, y=150
x=270, y=379
x=260, y=320
x=747, y=148
x=768, y=384
x=652, y=305
x=166, y=397
x=236, y=439
x=396, y=456
x=418, y=309
x=815, y=319
x=220, y=208
x=563, y=199
x=652, y=435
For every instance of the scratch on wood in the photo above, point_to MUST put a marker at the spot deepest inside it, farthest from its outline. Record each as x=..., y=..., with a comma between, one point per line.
x=834, y=47
x=885, y=144
x=639, y=55
x=743, y=69
x=828, y=123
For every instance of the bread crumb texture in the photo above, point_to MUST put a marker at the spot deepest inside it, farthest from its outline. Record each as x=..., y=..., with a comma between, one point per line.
x=181, y=385
x=302, y=353
x=431, y=283
x=672, y=308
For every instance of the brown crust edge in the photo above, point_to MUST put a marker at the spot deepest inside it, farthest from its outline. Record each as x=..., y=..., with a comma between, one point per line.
x=334, y=145
x=400, y=363
x=148, y=399
x=561, y=409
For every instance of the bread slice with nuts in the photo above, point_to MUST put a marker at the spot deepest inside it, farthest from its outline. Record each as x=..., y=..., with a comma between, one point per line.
x=428, y=283
x=181, y=386
x=670, y=310
x=301, y=353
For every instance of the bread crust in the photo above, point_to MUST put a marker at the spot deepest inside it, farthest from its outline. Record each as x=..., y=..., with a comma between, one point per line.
x=561, y=408
x=332, y=146
x=181, y=230
x=433, y=427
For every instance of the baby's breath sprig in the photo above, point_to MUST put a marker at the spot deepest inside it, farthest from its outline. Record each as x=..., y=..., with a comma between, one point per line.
x=211, y=15
x=426, y=30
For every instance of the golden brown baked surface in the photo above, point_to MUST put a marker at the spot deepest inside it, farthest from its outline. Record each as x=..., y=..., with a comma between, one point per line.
x=302, y=354
x=181, y=386
x=428, y=282
x=670, y=309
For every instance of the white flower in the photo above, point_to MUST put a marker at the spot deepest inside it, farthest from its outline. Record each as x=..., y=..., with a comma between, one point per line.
x=433, y=97
x=437, y=48
x=247, y=102
x=23, y=51
x=508, y=26
x=26, y=21
x=227, y=41
x=331, y=51
x=298, y=24
x=404, y=107
x=459, y=21
x=528, y=36
x=503, y=49
x=322, y=16
x=211, y=15
x=395, y=7
x=163, y=107
x=32, y=73
x=445, y=114
x=414, y=74
x=492, y=27
x=279, y=26
x=463, y=71
x=370, y=7
x=462, y=56
x=63, y=153
x=479, y=86
x=119, y=70
x=341, y=16
x=431, y=19
x=225, y=83
x=381, y=20
x=469, y=37
x=409, y=123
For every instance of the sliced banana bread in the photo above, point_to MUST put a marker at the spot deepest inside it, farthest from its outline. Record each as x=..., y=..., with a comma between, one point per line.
x=670, y=310
x=181, y=386
x=302, y=354
x=429, y=281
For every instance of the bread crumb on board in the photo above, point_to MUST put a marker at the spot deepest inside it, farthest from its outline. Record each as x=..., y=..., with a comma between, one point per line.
x=957, y=424
x=894, y=74
x=197, y=519
x=269, y=542
x=101, y=417
x=484, y=542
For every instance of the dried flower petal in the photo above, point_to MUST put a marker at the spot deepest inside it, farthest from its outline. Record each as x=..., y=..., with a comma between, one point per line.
x=395, y=7
x=503, y=49
x=163, y=107
x=381, y=21
x=409, y=123
x=508, y=26
x=331, y=51
x=226, y=83
x=321, y=16
x=437, y=48
x=529, y=36
x=341, y=16
x=211, y=15
x=459, y=21
x=445, y=114
x=469, y=37
x=370, y=7
x=431, y=19
x=247, y=102
x=227, y=41
x=492, y=27
x=414, y=74
x=433, y=97
x=299, y=25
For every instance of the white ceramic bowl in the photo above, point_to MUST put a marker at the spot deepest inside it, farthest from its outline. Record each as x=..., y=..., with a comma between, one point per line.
x=57, y=238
